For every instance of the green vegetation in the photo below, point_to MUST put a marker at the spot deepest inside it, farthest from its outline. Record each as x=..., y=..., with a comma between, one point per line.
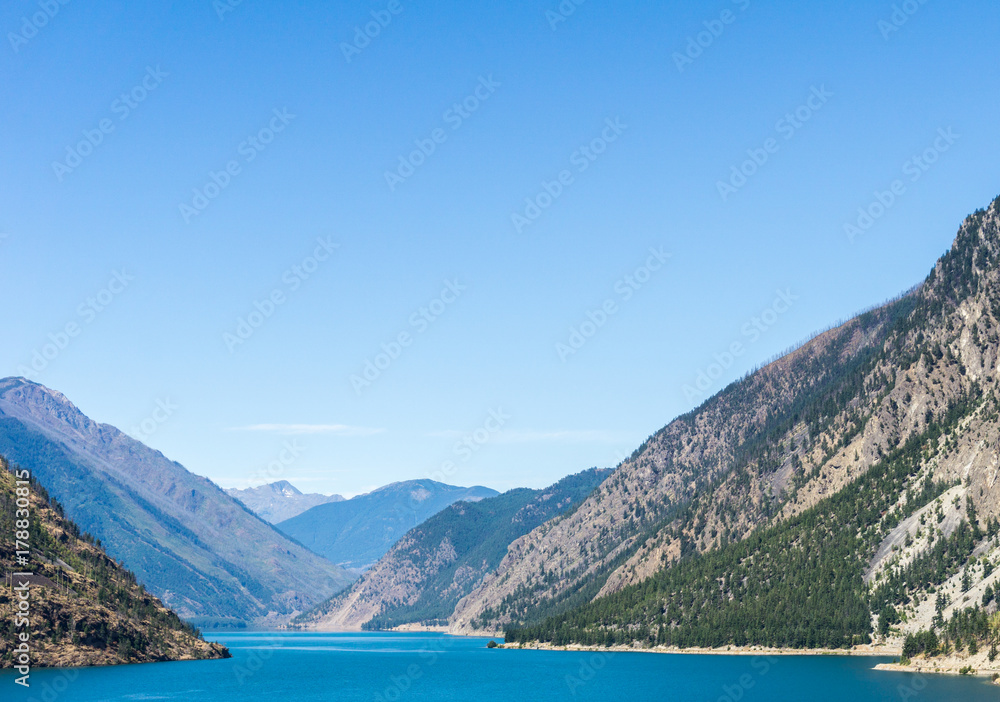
x=796, y=584
x=756, y=416
x=933, y=567
x=480, y=533
x=186, y=540
x=968, y=630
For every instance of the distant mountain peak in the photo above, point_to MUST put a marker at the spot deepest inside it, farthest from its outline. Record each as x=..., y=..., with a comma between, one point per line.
x=280, y=500
x=285, y=488
x=357, y=532
x=438, y=562
x=32, y=390
x=421, y=486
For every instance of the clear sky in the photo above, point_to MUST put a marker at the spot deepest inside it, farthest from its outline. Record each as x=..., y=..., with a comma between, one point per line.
x=481, y=175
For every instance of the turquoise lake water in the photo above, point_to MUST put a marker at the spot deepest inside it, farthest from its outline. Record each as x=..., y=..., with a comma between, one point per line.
x=415, y=667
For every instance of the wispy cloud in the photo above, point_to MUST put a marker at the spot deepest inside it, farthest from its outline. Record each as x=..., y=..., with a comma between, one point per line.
x=302, y=429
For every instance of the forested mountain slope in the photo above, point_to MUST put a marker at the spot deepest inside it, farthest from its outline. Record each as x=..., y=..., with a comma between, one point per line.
x=84, y=609
x=899, y=401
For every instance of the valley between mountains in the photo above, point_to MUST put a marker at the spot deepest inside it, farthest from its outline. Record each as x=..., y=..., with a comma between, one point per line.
x=843, y=497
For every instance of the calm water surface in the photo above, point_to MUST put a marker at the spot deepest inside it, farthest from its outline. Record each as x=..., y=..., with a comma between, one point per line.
x=415, y=667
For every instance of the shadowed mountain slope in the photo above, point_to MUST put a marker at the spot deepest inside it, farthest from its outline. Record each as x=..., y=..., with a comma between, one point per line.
x=199, y=550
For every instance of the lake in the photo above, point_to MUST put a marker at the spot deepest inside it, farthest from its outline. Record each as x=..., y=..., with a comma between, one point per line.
x=415, y=667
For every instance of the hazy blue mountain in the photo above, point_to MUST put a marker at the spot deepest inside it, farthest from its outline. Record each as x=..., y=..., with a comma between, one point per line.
x=278, y=501
x=200, y=551
x=357, y=532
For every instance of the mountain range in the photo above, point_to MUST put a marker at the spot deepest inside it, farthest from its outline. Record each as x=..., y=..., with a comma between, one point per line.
x=425, y=574
x=357, y=532
x=278, y=501
x=842, y=494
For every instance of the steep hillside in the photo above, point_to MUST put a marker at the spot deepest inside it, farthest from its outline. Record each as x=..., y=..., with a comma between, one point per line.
x=83, y=608
x=434, y=565
x=357, y=532
x=276, y=502
x=784, y=447
x=199, y=550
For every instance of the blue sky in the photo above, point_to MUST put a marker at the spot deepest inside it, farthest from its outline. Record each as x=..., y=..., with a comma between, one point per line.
x=527, y=203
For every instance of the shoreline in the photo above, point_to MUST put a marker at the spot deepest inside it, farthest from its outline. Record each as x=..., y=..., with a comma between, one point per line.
x=975, y=666
x=420, y=628
x=869, y=651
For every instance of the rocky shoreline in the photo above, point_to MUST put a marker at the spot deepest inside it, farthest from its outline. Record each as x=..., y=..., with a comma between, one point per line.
x=71, y=656
x=978, y=665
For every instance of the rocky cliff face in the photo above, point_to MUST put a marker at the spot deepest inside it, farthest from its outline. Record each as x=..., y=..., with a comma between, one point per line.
x=202, y=552
x=780, y=441
x=83, y=608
